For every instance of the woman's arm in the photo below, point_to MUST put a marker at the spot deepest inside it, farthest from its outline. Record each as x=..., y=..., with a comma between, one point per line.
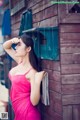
x=35, y=87
x=7, y=47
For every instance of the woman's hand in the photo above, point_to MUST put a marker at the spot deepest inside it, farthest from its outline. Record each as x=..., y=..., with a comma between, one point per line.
x=39, y=76
x=15, y=40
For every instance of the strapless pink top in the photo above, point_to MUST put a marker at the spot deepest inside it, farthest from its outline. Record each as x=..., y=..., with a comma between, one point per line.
x=20, y=98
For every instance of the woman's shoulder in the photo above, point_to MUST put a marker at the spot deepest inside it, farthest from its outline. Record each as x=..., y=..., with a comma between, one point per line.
x=37, y=75
x=13, y=69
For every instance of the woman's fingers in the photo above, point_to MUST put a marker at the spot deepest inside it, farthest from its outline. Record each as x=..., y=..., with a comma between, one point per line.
x=15, y=40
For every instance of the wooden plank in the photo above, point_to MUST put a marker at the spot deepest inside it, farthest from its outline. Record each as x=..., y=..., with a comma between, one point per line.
x=61, y=12
x=55, y=86
x=41, y=6
x=17, y=7
x=71, y=18
x=70, y=79
x=70, y=99
x=70, y=59
x=49, y=64
x=70, y=69
x=56, y=76
x=16, y=18
x=70, y=36
x=71, y=89
x=45, y=14
x=76, y=112
x=70, y=48
x=67, y=113
x=53, y=114
x=67, y=41
x=69, y=28
x=53, y=21
x=53, y=75
x=55, y=97
x=31, y=3
x=16, y=26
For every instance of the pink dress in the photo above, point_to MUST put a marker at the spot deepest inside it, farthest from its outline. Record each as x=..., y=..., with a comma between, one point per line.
x=20, y=98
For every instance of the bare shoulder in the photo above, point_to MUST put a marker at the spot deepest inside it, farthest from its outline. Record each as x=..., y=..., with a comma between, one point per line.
x=35, y=76
x=31, y=74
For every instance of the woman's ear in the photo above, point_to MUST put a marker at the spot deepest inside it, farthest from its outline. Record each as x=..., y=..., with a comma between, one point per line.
x=29, y=49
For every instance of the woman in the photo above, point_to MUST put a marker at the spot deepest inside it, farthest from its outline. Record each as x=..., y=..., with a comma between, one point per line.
x=25, y=78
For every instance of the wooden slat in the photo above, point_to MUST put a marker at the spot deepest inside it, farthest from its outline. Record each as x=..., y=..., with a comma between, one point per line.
x=53, y=114
x=70, y=99
x=55, y=97
x=55, y=86
x=67, y=113
x=70, y=58
x=55, y=105
x=72, y=18
x=67, y=41
x=47, y=22
x=68, y=28
x=45, y=14
x=70, y=69
x=61, y=12
x=70, y=48
x=49, y=64
x=76, y=112
x=16, y=18
x=41, y=6
x=71, y=89
x=70, y=36
x=53, y=75
x=31, y=3
x=71, y=79
x=16, y=26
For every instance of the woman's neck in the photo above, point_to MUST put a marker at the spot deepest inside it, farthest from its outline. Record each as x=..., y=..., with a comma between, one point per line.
x=25, y=62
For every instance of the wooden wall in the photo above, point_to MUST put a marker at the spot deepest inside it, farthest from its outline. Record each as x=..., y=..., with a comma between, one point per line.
x=64, y=75
x=70, y=70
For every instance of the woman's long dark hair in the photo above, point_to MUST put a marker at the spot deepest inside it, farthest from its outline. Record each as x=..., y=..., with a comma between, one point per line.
x=34, y=61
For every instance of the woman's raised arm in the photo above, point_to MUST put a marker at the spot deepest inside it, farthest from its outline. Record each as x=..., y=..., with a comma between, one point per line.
x=7, y=47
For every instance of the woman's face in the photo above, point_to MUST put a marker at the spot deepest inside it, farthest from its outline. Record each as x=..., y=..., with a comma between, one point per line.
x=21, y=49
